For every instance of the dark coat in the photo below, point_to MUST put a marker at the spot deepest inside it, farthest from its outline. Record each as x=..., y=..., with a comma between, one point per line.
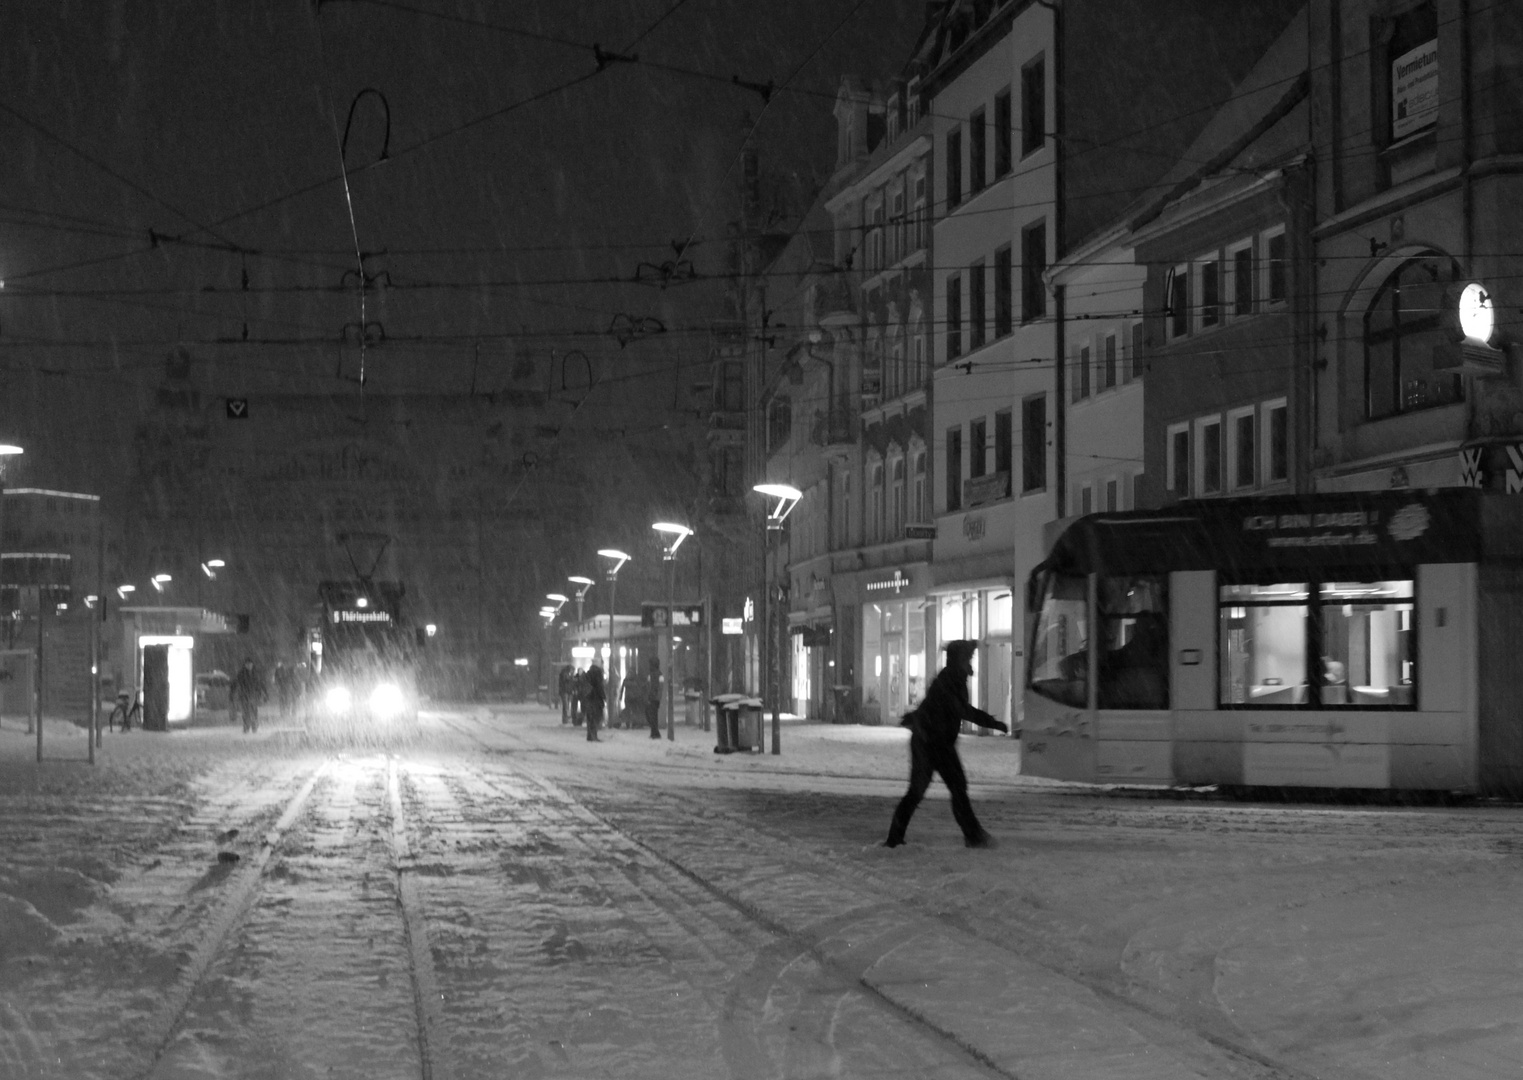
x=940, y=715
x=595, y=695
x=247, y=687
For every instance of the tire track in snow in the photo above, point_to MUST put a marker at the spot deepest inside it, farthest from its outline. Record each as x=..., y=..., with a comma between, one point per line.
x=161, y=1028
x=426, y=997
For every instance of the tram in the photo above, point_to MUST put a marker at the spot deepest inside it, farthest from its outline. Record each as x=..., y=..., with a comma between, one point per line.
x=1353, y=640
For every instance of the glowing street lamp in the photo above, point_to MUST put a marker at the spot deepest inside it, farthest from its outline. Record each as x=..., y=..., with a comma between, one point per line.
x=124, y=591
x=787, y=497
x=782, y=498
x=160, y=580
x=672, y=536
x=211, y=566
x=617, y=558
x=582, y=585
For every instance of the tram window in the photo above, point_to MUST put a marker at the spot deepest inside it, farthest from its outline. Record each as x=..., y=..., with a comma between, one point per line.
x=1263, y=644
x=1060, y=639
x=1134, y=625
x=1367, y=643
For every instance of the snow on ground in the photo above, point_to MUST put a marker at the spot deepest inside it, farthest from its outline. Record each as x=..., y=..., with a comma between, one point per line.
x=640, y=907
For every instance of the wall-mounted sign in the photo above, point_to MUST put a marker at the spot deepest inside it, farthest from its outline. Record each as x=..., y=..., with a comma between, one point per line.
x=660, y=616
x=372, y=615
x=973, y=527
x=732, y=626
x=748, y=613
x=920, y=531
x=899, y=580
x=1414, y=90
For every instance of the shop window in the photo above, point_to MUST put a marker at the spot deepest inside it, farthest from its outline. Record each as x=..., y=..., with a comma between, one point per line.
x=1242, y=452
x=1134, y=632
x=1403, y=324
x=1323, y=644
x=1001, y=611
x=1059, y=645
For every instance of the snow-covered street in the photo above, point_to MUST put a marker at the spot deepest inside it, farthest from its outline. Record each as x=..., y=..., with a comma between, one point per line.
x=503, y=898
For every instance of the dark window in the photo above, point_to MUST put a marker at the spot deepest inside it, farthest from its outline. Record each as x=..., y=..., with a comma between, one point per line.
x=1134, y=642
x=978, y=435
x=1275, y=259
x=954, y=167
x=731, y=468
x=1211, y=459
x=978, y=139
x=732, y=396
x=1108, y=363
x=1033, y=106
x=1246, y=456
x=1134, y=354
x=1033, y=265
x=1403, y=324
x=1111, y=494
x=1242, y=281
x=1180, y=447
x=1210, y=292
x=1002, y=441
x=1086, y=500
x=1179, y=303
x=1034, y=443
x=954, y=316
x=976, y=323
x=1004, y=132
x=1004, y=282
x=1082, y=390
x=954, y=469
x=1279, y=444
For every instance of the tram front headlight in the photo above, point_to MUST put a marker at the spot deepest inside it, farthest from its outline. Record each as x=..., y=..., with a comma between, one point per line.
x=338, y=700
x=387, y=700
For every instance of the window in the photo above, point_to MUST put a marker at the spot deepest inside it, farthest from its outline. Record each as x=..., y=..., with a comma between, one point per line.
x=1178, y=477
x=1108, y=363
x=920, y=233
x=844, y=521
x=875, y=503
x=1033, y=265
x=1112, y=497
x=978, y=135
x=918, y=501
x=1275, y=285
x=1060, y=639
x=1081, y=374
x=1033, y=106
x=1004, y=132
x=874, y=256
x=1034, y=443
x=1209, y=275
x=917, y=368
x=954, y=168
x=1177, y=292
x=1410, y=80
x=1133, y=501
x=1086, y=500
x=1276, y=466
x=1002, y=441
x=1242, y=451
x=1133, y=368
x=977, y=327
x=1003, y=296
x=1134, y=639
x=732, y=386
x=897, y=228
x=1210, y=433
x=1318, y=644
x=954, y=316
x=896, y=468
x=954, y=469
x=1401, y=327
x=978, y=432
x=1240, y=278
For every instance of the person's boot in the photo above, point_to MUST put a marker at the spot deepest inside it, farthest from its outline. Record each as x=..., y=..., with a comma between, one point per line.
x=981, y=839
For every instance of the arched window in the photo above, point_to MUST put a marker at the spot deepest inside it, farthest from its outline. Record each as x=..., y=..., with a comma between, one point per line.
x=1401, y=326
x=920, y=504
x=896, y=466
x=875, y=502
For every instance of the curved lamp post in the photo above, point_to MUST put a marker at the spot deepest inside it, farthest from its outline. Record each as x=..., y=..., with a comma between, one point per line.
x=617, y=559
x=781, y=499
x=582, y=585
x=672, y=536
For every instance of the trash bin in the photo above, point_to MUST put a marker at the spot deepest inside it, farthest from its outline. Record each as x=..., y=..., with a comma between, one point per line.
x=845, y=704
x=727, y=721
x=749, y=735
x=693, y=708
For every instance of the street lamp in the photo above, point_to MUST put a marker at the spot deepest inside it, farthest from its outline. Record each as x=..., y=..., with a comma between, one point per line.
x=782, y=498
x=672, y=536
x=211, y=566
x=617, y=559
x=582, y=585
x=160, y=580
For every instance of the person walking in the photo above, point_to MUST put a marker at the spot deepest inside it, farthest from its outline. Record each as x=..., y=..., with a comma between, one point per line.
x=247, y=692
x=564, y=686
x=593, y=701
x=934, y=725
x=653, y=696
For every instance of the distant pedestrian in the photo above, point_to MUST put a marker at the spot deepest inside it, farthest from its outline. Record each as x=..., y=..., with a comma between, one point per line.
x=934, y=725
x=285, y=688
x=593, y=701
x=578, y=696
x=247, y=693
x=565, y=685
x=653, y=696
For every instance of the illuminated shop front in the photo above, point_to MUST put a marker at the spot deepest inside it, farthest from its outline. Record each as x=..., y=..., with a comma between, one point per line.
x=983, y=615
x=894, y=655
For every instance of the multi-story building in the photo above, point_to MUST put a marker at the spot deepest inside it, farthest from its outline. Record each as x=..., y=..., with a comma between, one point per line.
x=1047, y=120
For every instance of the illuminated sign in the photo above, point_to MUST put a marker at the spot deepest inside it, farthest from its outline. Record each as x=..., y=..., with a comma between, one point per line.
x=732, y=626
x=344, y=615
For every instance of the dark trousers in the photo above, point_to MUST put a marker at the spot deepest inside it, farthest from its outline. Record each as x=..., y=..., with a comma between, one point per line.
x=928, y=757
x=566, y=707
x=594, y=718
x=653, y=717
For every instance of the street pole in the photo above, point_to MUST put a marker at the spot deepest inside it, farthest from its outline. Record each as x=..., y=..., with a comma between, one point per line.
x=671, y=646
x=613, y=588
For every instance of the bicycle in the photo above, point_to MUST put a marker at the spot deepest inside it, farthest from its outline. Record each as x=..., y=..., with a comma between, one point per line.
x=124, y=714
